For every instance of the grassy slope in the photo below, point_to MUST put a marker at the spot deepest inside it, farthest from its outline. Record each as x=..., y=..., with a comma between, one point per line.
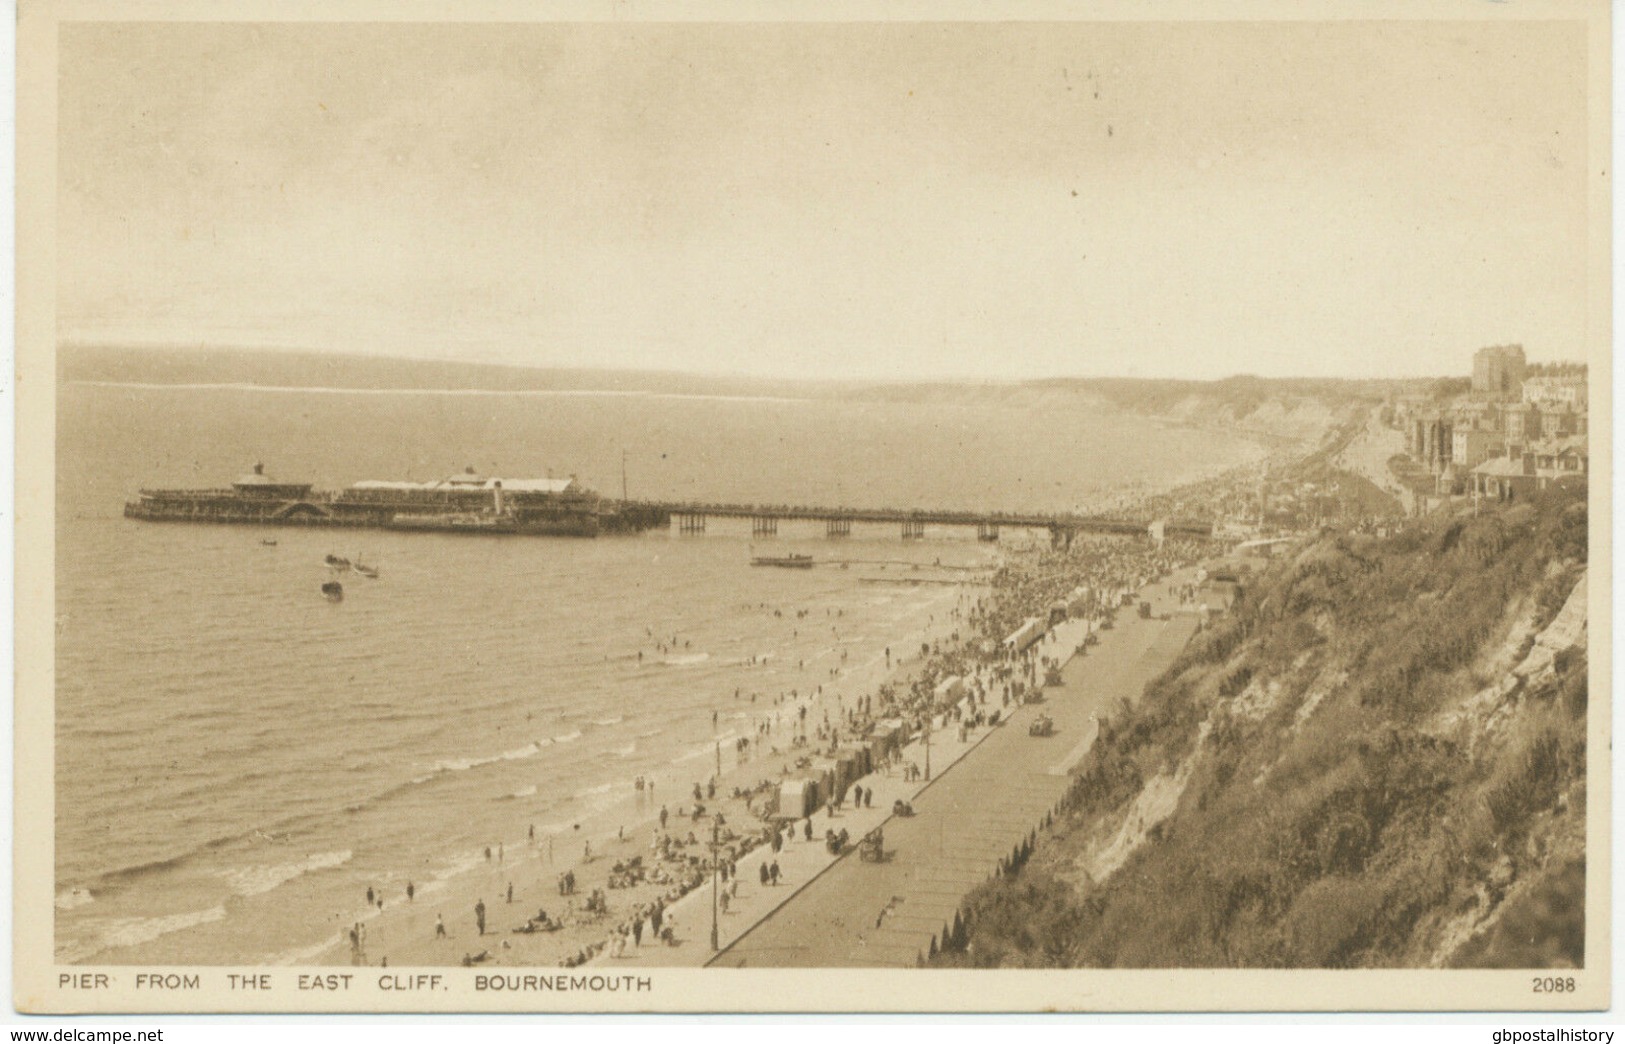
x=1364, y=781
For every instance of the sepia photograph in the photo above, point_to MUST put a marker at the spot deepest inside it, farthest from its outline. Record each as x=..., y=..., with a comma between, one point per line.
x=532, y=507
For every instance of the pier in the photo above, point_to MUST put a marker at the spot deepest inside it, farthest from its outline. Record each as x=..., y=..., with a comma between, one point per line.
x=911, y=523
x=471, y=503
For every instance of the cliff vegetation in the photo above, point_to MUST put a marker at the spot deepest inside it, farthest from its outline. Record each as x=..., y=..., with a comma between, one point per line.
x=1377, y=759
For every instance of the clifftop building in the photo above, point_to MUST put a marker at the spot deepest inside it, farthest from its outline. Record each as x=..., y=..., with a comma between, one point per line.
x=1558, y=390
x=1498, y=373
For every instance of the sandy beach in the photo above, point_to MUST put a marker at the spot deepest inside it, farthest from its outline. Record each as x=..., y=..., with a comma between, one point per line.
x=403, y=932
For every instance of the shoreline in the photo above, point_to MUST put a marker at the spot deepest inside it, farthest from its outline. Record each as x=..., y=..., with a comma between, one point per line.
x=404, y=933
x=619, y=830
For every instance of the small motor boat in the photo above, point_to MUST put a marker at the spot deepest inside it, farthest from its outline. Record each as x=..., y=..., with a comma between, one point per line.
x=370, y=572
x=267, y=543
x=338, y=563
x=333, y=590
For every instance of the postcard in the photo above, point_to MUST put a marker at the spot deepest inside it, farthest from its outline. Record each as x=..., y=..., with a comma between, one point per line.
x=812, y=507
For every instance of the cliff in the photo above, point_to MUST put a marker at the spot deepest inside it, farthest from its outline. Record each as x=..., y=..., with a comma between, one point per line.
x=1377, y=760
x=1298, y=411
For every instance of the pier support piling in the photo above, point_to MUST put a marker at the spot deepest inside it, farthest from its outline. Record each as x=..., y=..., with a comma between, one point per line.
x=913, y=529
x=690, y=523
x=987, y=532
x=838, y=527
x=764, y=525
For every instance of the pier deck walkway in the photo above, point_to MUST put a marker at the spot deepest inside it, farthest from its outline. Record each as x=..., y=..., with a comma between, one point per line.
x=988, y=521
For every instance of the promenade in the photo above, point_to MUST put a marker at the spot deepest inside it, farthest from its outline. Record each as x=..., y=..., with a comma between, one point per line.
x=987, y=797
x=1367, y=455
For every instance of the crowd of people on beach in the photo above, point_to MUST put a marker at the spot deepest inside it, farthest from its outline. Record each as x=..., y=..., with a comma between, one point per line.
x=693, y=842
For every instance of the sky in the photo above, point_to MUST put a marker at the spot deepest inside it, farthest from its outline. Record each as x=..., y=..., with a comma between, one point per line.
x=876, y=201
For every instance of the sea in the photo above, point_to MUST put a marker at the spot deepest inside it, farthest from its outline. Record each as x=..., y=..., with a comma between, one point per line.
x=238, y=759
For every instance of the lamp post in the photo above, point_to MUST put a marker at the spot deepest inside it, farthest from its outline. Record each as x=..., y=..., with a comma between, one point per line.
x=716, y=875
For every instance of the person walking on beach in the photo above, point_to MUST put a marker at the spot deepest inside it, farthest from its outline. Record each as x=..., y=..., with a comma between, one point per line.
x=411, y=890
x=773, y=873
x=479, y=915
x=510, y=891
x=439, y=927
x=663, y=815
x=763, y=874
x=807, y=833
x=369, y=896
x=637, y=930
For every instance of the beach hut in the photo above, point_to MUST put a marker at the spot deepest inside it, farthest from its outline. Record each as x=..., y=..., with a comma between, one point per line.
x=846, y=772
x=825, y=789
x=797, y=798
x=949, y=690
x=884, y=738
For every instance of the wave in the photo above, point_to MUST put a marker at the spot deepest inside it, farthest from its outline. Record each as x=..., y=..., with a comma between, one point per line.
x=603, y=788
x=529, y=750
x=121, y=932
x=308, y=955
x=688, y=660
x=458, y=866
x=257, y=880
x=74, y=898
x=607, y=722
x=568, y=737
x=130, y=874
x=522, y=792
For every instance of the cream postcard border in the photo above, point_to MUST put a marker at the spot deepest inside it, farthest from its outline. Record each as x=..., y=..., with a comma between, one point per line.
x=40, y=984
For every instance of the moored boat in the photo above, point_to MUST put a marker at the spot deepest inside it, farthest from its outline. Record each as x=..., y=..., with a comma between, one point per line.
x=333, y=590
x=784, y=561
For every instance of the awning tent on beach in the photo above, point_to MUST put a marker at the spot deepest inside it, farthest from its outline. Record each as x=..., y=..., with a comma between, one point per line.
x=1025, y=636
